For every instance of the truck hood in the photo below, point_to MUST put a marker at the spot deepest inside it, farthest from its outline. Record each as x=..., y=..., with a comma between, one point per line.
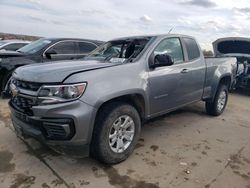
x=232, y=46
x=56, y=72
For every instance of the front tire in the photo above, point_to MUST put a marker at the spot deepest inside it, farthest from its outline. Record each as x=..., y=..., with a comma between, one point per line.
x=5, y=91
x=117, y=130
x=218, y=105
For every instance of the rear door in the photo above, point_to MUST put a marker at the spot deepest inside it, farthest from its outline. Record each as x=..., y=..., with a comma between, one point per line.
x=84, y=48
x=195, y=71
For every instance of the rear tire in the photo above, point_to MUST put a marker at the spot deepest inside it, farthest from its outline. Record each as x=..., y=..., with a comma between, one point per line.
x=218, y=105
x=113, y=139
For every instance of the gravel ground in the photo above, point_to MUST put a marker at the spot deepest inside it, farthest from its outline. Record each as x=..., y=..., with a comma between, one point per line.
x=185, y=148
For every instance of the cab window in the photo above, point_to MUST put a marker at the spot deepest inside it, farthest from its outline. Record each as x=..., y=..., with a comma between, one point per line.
x=193, y=51
x=171, y=47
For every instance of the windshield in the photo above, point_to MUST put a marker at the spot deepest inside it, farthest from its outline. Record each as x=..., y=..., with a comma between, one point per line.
x=34, y=46
x=120, y=50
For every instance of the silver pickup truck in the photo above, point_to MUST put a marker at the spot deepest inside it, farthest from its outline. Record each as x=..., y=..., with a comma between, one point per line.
x=97, y=105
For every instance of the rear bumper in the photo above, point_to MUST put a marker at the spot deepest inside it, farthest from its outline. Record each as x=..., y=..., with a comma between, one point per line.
x=74, y=119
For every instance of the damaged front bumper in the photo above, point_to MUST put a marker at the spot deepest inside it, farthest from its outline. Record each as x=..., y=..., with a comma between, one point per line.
x=66, y=128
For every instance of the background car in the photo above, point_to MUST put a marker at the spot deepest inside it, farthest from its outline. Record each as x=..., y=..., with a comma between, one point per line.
x=12, y=45
x=42, y=50
x=238, y=47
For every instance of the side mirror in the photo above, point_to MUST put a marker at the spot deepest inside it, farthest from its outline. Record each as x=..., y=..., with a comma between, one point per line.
x=49, y=53
x=160, y=60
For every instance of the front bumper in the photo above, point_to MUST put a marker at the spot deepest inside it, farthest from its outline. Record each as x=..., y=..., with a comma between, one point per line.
x=244, y=82
x=74, y=119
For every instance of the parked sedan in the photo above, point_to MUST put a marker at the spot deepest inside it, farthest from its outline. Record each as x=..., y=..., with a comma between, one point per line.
x=42, y=50
x=12, y=45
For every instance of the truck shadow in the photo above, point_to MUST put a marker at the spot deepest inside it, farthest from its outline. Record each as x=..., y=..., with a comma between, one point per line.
x=196, y=109
x=89, y=169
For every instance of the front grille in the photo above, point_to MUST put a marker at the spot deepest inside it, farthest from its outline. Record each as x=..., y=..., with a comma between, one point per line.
x=22, y=100
x=23, y=104
x=26, y=85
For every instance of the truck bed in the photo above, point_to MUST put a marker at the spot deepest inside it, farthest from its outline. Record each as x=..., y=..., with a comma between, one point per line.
x=216, y=65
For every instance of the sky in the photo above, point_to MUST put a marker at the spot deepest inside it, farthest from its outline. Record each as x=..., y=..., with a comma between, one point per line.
x=206, y=20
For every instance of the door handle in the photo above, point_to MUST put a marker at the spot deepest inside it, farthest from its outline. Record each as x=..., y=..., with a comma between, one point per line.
x=184, y=71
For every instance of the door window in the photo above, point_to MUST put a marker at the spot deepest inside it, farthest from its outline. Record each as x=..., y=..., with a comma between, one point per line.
x=86, y=47
x=193, y=51
x=14, y=47
x=67, y=47
x=171, y=47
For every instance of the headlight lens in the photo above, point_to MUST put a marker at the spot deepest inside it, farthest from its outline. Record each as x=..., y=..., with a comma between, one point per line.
x=60, y=93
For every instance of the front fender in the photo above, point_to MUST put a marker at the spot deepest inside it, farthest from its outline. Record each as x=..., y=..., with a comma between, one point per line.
x=8, y=65
x=14, y=62
x=115, y=95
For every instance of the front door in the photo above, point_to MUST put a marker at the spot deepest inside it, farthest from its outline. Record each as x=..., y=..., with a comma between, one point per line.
x=169, y=84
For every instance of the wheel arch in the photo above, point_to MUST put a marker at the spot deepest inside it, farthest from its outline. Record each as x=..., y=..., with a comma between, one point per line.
x=137, y=100
x=7, y=75
x=224, y=79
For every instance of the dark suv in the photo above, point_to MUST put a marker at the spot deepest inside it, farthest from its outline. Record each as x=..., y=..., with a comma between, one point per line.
x=42, y=50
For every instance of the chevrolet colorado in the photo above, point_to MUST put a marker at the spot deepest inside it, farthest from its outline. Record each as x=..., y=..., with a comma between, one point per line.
x=97, y=105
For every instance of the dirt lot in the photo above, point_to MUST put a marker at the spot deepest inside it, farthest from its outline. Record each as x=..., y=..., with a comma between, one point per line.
x=186, y=148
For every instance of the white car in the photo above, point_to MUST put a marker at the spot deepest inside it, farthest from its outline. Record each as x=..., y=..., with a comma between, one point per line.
x=12, y=45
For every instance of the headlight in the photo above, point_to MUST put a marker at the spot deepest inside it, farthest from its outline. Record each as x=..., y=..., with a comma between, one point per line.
x=60, y=93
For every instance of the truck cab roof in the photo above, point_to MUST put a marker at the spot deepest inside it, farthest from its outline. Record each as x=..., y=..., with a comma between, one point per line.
x=151, y=36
